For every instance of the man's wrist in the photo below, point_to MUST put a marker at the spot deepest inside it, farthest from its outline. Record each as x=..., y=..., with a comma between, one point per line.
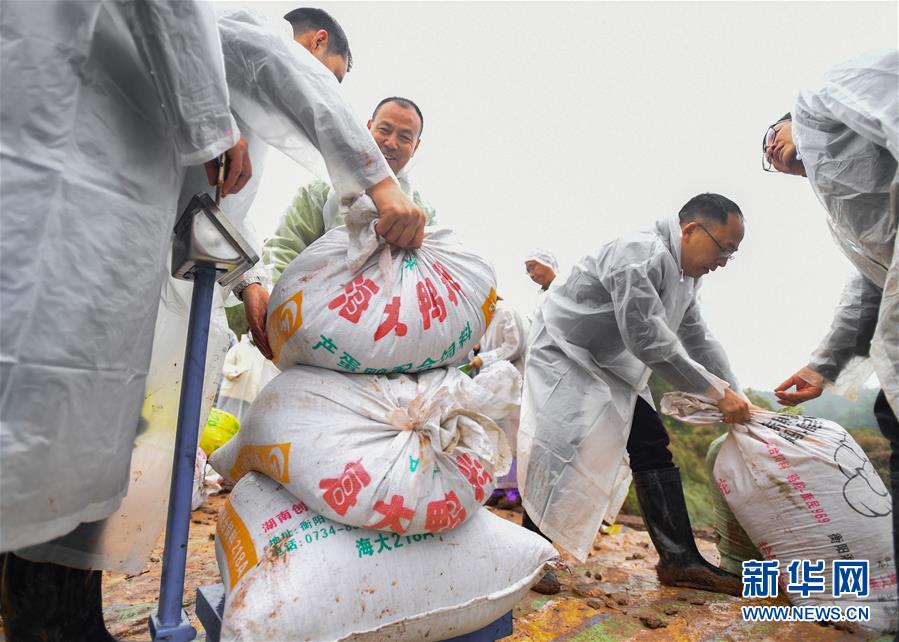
x=243, y=284
x=812, y=378
x=384, y=186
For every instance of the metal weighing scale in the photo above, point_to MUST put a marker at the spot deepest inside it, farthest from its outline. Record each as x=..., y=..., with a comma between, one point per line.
x=207, y=249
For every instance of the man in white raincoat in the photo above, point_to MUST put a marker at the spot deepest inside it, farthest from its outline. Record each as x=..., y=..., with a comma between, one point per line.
x=844, y=137
x=542, y=268
x=396, y=126
x=587, y=413
x=286, y=100
x=283, y=81
x=101, y=114
x=245, y=372
x=504, y=340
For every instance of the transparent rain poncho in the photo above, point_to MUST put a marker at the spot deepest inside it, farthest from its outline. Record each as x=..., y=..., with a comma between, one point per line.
x=505, y=336
x=281, y=96
x=504, y=340
x=103, y=105
x=293, y=102
x=848, y=134
x=623, y=313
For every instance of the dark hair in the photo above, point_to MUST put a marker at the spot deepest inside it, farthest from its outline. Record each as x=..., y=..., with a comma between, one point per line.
x=709, y=207
x=308, y=19
x=402, y=102
x=785, y=117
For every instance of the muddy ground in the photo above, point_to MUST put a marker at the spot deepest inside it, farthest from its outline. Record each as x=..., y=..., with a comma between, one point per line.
x=613, y=596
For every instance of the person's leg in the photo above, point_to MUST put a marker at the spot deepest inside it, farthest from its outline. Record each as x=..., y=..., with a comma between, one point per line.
x=661, y=496
x=529, y=524
x=549, y=583
x=889, y=426
x=44, y=602
x=494, y=497
x=647, y=444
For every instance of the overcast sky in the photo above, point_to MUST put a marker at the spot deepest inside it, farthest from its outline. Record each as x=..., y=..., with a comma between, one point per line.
x=563, y=125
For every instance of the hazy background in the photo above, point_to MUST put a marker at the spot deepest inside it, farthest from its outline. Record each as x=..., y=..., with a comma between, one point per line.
x=562, y=125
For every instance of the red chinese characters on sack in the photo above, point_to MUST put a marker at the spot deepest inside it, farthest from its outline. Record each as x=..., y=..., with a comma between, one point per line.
x=475, y=474
x=452, y=286
x=354, y=299
x=341, y=493
x=394, y=514
x=392, y=322
x=430, y=303
x=444, y=514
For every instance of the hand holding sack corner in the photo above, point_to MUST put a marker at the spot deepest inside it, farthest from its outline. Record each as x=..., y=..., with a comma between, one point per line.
x=354, y=304
x=803, y=489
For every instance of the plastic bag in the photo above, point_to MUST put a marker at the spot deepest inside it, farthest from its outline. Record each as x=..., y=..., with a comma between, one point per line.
x=220, y=428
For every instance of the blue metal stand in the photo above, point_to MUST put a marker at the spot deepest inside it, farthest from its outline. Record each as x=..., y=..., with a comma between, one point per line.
x=171, y=622
x=494, y=631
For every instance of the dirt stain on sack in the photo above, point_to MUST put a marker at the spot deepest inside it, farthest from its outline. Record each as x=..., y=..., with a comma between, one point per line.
x=785, y=489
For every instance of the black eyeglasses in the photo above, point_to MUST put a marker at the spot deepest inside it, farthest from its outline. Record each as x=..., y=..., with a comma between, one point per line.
x=767, y=141
x=726, y=255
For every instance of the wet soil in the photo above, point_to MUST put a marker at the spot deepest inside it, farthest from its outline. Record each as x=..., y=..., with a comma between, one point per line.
x=614, y=596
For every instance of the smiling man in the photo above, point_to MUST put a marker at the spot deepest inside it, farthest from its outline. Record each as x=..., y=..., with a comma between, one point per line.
x=587, y=414
x=396, y=126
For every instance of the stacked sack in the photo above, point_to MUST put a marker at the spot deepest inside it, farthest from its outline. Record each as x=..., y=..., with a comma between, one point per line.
x=377, y=454
x=803, y=489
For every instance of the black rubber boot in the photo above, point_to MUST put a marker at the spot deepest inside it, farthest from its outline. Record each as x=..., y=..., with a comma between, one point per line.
x=549, y=584
x=44, y=602
x=661, y=497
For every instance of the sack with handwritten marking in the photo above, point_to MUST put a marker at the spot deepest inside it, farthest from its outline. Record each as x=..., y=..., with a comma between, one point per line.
x=404, y=453
x=351, y=303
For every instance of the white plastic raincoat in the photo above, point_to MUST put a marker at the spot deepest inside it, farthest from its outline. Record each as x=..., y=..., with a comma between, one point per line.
x=541, y=298
x=103, y=105
x=504, y=340
x=246, y=372
x=622, y=314
x=282, y=96
x=848, y=134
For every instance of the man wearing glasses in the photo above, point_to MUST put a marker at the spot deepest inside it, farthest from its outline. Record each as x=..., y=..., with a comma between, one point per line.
x=844, y=137
x=587, y=417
